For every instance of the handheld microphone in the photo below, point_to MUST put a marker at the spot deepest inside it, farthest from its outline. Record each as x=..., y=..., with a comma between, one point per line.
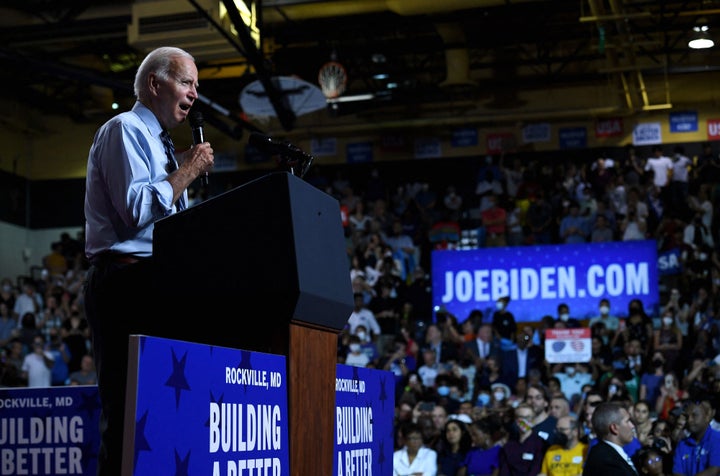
x=196, y=125
x=292, y=154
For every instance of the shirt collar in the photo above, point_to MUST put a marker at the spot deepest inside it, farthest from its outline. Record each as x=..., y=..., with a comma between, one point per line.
x=148, y=118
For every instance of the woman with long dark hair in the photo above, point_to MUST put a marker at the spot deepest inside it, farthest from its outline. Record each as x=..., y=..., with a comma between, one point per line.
x=454, y=444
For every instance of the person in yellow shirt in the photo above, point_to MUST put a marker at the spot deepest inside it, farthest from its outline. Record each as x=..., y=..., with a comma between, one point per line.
x=567, y=456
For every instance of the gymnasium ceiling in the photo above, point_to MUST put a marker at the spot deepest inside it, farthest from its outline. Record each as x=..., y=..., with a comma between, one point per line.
x=452, y=61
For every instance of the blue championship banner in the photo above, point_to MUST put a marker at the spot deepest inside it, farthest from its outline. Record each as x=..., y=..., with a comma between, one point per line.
x=364, y=412
x=49, y=431
x=538, y=278
x=201, y=409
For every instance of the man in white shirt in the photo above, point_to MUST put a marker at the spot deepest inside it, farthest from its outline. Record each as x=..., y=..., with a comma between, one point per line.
x=661, y=167
x=26, y=302
x=37, y=365
x=363, y=316
x=615, y=429
x=572, y=379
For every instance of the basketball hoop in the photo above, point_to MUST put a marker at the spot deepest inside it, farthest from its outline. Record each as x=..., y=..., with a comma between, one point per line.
x=332, y=79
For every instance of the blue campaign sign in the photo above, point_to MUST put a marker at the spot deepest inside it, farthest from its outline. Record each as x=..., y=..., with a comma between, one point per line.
x=365, y=407
x=49, y=431
x=359, y=152
x=464, y=137
x=647, y=133
x=200, y=409
x=669, y=262
x=323, y=147
x=428, y=148
x=540, y=132
x=685, y=121
x=572, y=137
x=538, y=278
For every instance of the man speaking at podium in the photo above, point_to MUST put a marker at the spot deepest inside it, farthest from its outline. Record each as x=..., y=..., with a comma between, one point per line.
x=133, y=179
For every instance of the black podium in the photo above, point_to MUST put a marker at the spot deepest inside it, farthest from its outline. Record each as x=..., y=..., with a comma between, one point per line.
x=263, y=267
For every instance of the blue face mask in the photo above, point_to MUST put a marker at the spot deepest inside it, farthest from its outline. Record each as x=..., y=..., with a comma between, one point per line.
x=483, y=399
x=443, y=391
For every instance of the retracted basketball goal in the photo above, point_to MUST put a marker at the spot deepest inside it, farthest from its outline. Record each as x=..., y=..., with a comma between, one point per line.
x=332, y=78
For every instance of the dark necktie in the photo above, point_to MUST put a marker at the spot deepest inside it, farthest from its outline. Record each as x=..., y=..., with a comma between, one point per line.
x=171, y=164
x=169, y=151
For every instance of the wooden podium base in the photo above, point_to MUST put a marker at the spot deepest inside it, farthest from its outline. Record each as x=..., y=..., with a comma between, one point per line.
x=312, y=362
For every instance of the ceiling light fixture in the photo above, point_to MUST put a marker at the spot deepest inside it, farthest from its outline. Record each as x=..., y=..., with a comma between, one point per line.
x=701, y=38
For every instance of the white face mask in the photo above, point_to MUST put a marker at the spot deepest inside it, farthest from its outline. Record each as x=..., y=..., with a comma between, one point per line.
x=667, y=321
x=604, y=309
x=570, y=370
x=354, y=347
x=499, y=396
x=499, y=305
x=362, y=336
x=564, y=317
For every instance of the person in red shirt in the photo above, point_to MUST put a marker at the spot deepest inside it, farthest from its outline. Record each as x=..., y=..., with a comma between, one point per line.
x=494, y=219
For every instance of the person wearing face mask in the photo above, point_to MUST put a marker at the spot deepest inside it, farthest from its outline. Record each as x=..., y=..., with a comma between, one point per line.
x=503, y=324
x=612, y=323
x=500, y=392
x=567, y=455
x=668, y=339
x=500, y=402
x=573, y=377
x=652, y=379
x=522, y=454
x=447, y=389
x=367, y=345
x=355, y=356
x=563, y=313
x=483, y=396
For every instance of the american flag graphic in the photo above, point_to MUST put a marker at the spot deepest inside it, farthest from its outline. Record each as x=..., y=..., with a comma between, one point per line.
x=577, y=345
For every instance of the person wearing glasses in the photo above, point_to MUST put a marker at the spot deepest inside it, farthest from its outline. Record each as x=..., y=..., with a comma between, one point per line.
x=522, y=454
x=649, y=460
x=568, y=455
x=593, y=398
x=414, y=458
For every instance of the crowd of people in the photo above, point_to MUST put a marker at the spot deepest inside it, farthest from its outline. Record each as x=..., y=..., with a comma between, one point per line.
x=44, y=336
x=474, y=394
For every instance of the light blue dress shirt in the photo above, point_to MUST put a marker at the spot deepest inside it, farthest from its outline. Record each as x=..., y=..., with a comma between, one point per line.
x=126, y=186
